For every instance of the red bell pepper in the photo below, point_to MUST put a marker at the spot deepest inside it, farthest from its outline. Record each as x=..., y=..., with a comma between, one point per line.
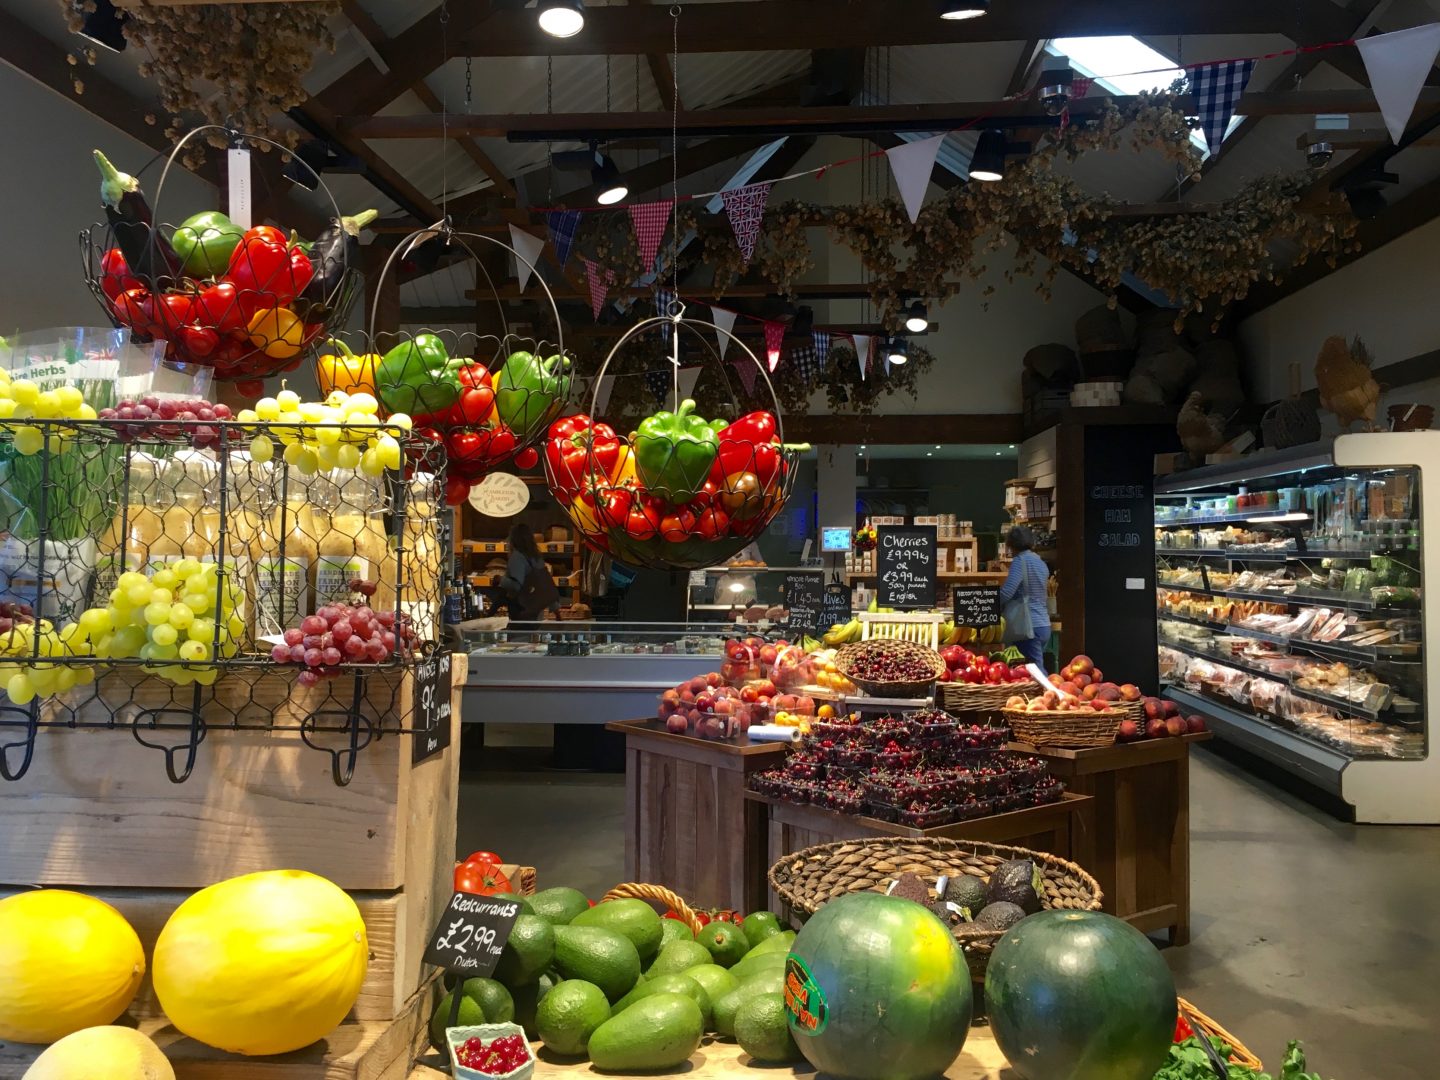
x=749, y=445
x=568, y=451
x=115, y=275
x=266, y=271
x=132, y=308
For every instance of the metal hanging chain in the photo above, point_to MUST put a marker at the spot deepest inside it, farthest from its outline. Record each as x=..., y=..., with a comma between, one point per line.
x=469, y=88
x=549, y=146
x=675, y=160
x=445, y=115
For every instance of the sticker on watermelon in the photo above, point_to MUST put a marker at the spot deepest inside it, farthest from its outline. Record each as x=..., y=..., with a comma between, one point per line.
x=804, y=1000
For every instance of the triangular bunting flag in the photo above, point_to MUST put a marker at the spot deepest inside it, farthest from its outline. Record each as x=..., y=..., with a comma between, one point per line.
x=912, y=163
x=1080, y=87
x=774, y=340
x=687, y=378
x=821, y=338
x=603, y=385
x=599, y=282
x=746, y=371
x=663, y=297
x=862, y=353
x=1398, y=65
x=563, y=225
x=745, y=207
x=724, y=320
x=658, y=383
x=527, y=254
x=650, y=220
x=1217, y=89
x=803, y=359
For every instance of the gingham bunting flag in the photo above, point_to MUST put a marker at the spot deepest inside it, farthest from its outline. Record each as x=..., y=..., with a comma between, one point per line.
x=821, y=338
x=774, y=341
x=745, y=207
x=746, y=371
x=803, y=358
x=663, y=298
x=650, y=220
x=563, y=225
x=1217, y=89
x=658, y=383
x=599, y=281
x=1079, y=87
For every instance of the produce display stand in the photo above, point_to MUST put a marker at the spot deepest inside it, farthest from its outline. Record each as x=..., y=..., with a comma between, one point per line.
x=1140, y=840
x=96, y=812
x=688, y=819
x=1063, y=828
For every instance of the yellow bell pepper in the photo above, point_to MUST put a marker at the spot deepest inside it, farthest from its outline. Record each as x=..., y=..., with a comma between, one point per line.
x=277, y=332
x=343, y=370
x=622, y=474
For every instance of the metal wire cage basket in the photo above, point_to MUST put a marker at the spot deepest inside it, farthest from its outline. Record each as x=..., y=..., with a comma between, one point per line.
x=679, y=492
x=487, y=397
x=247, y=302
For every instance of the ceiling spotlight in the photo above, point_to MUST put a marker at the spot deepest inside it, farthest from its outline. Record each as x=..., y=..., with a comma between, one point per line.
x=898, y=351
x=104, y=26
x=608, y=182
x=955, y=10
x=917, y=319
x=1318, y=154
x=1055, y=89
x=562, y=18
x=988, y=162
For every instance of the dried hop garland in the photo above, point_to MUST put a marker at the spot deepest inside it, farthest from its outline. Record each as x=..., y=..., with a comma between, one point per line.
x=233, y=65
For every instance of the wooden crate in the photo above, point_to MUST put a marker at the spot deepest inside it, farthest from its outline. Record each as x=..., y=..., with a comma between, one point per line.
x=1141, y=849
x=688, y=825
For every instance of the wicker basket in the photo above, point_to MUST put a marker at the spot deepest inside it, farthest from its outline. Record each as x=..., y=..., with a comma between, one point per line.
x=809, y=878
x=982, y=697
x=1068, y=730
x=1202, y=1024
x=849, y=653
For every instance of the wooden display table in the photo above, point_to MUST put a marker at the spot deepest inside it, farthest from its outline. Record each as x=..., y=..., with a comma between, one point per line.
x=687, y=821
x=1141, y=825
x=1062, y=828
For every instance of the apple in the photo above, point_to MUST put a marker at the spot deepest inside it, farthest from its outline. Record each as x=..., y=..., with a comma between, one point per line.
x=1130, y=692
x=1176, y=725
x=1194, y=724
x=952, y=655
x=737, y=652
x=705, y=702
x=1155, y=729
x=805, y=706
x=768, y=653
x=765, y=688
x=748, y=693
x=677, y=724
x=713, y=679
x=710, y=728
x=948, y=675
x=1129, y=731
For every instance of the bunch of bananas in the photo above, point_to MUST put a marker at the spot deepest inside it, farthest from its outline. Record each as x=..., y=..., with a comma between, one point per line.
x=951, y=634
x=809, y=644
x=842, y=634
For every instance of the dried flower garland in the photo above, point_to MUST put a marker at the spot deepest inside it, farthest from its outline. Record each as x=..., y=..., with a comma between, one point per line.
x=234, y=65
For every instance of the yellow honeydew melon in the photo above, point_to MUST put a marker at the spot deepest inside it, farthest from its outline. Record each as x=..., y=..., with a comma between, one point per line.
x=261, y=964
x=67, y=961
x=102, y=1053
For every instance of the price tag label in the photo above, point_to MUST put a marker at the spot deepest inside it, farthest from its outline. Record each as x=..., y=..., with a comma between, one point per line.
x=432, y=708
x=804, y=598
x=835, y=606
x=471, y=934
x=905, y=566
x=977, y=606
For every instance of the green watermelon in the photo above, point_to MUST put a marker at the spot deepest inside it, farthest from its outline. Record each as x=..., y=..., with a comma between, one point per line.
x=1079, y=995
x=877, y=989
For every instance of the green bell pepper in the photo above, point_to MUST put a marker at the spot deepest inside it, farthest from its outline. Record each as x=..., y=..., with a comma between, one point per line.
x=205, y=242
x=674, y=452
x=527, y=388
x=418, y=377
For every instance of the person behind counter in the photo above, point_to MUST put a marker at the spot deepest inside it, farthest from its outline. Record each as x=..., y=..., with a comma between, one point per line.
x=1027, y=582
x=527, y=581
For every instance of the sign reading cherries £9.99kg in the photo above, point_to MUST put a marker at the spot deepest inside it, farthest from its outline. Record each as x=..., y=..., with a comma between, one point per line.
x=905, y=566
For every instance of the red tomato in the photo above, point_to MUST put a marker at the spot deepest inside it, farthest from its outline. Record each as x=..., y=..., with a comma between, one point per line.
x=713, y=523
x=676, y=528
x=480, y=880
x=527, y=458
x=1183, y=1030
x=473, y=374
x=703, y=918
x=483, y=858
x=642, y=523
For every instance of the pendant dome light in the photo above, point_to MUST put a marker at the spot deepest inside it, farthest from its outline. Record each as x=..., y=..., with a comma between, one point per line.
x=610, y=186
x=955, y=10
x=988, y=162
x=562, y=18
x=917, y=318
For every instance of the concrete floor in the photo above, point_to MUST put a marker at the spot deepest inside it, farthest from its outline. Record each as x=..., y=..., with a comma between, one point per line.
x=1304, y=927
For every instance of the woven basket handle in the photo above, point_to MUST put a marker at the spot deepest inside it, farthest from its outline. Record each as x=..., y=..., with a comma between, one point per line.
x=639, y=891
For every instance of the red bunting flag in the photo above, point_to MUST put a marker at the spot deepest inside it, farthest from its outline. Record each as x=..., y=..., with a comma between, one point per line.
x=774, y=340
x=746, y=370
x=650, y=220
x=745, y=206
x=599, y=283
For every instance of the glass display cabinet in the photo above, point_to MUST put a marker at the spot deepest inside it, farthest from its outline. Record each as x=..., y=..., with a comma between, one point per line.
x=1290, y=612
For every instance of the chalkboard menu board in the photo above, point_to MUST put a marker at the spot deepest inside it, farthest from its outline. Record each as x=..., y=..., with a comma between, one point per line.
x=834, y=606
x=977, y=605
x=905, y=563
x=804, y=597
x=471, y=934
x=431, y=720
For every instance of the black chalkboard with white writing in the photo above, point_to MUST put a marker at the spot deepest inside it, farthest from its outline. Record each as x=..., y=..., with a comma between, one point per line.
x=804, y=598
x=432, y=708
x=905, y=566
x=471, y=934
x=835, y=606
x=977, y=605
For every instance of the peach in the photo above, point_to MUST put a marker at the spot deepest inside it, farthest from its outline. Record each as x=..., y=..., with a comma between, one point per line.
x=1129, y=731
x=1156, y=729
x=1176, y=725
x=1171, y=708
x=1082, y=664
x=1130, y=692
x=1194, y=724
x=1057, y=679
x=1108, y=693
x=698, y=684
x=1081, y=680
x=1097, y=675
x=1069, y=688
x=1089, y=693
x=1154, y=709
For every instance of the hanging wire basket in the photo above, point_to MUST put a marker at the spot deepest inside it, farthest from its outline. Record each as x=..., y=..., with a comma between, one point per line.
x=487, y=398
x=248, y=303
x=679, y=493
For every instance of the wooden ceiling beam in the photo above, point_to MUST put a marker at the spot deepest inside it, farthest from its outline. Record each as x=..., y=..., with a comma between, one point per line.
x=662, y=73
x=315, y=118
x=1032, y=52
x=1356, y=138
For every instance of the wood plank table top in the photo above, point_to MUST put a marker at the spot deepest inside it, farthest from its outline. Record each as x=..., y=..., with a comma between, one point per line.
x=1117, y=755
x=654, y=730
x=979, y=1060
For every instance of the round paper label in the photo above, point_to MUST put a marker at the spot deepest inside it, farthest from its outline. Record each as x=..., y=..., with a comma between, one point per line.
x=500, y=495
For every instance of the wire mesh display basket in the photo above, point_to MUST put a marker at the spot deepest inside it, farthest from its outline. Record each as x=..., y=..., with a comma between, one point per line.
x=247, y=302
x=174, y=576
x=679, y=492
x=488, y=398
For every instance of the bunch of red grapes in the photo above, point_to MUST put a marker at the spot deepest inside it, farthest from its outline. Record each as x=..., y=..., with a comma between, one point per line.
x=344, y=633
x=503, y=1055
x=13, y=614
x=194, y=417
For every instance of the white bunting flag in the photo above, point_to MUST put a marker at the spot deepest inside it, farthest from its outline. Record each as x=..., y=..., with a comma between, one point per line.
x=527, y=254
x=862, y=353
x=1398, y=65
x=912, y=163
x=686, y=379
x=725, y=320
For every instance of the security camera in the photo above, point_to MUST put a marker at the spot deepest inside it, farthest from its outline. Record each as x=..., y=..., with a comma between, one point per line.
x=1318, y=154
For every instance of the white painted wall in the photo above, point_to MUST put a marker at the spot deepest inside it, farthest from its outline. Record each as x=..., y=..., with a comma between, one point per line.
x=50, y=190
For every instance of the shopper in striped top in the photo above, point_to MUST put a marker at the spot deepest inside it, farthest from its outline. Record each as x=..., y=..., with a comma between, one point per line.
x=1029, y=578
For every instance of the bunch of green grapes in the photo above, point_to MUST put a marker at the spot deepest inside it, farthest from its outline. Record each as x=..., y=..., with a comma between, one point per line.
x=26, y=676
x=22, y=400
x=342, y=432
x=170, y=615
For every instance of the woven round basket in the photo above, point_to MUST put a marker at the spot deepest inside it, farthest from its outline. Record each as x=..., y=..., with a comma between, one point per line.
x=849, y=653
x=982, y=697
x=811, y=877
x=1068, y=730
x=1200, y=1023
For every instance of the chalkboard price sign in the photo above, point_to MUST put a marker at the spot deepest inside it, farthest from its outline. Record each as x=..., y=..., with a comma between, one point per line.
x=804, y=597
x=431, y=708
x=977, y=605
x=906, y=566
x=834, y=606
x=471, y=934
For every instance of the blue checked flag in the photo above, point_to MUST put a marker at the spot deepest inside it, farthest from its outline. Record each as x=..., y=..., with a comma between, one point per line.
x=804, y=359
x=563, y=226
x=821, y=338
x=1217, y=89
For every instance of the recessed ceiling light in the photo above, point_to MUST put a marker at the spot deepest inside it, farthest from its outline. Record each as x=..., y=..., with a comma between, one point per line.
x=997, y=453
x=1012, y=446
x=955, y=10
x=937, y=446
x=929, y=454
x=562, y=18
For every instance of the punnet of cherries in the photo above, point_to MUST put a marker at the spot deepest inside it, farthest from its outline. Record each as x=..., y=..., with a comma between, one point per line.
x=880, y=661
x=344, y=633
x=495, y=1058
x=194, y=417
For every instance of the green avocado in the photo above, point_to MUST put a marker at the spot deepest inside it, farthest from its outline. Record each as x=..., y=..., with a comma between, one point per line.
x=559, y=905
x=667, y=984
x=530, y=950
x=634, y=919
x=656, y=1033
x=729, y=1004
x=599, y=956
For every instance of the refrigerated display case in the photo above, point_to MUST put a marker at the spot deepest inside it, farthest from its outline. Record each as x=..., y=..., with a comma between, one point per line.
x=1290, y=612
